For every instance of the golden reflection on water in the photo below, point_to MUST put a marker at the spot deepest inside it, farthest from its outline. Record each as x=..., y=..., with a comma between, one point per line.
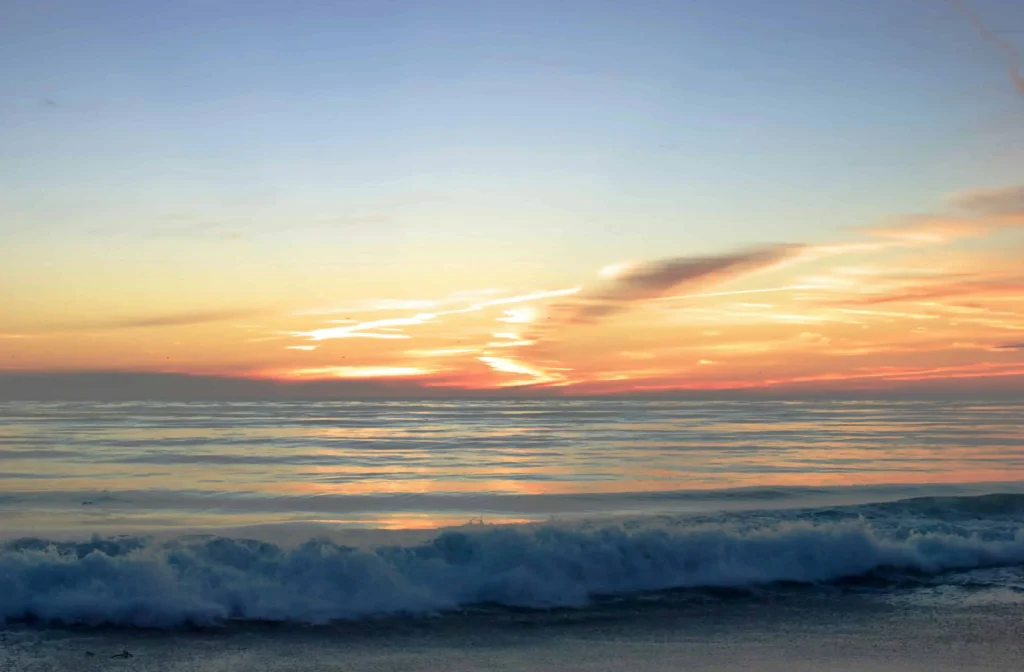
x=423, y=521
x=474, y=449
x=626, y=471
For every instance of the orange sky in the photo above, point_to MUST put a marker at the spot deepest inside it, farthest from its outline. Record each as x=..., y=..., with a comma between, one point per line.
x=917, y=298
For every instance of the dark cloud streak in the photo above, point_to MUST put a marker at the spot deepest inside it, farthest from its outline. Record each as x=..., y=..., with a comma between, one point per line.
x=653, y=279
x=169, y=320
x=998, y=202
x=1009, y=51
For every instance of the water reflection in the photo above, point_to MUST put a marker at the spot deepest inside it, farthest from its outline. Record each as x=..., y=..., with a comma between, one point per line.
x=305, y=452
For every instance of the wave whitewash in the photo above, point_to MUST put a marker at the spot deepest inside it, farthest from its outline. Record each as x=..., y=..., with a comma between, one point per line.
x=209, y=580
x=163, y=515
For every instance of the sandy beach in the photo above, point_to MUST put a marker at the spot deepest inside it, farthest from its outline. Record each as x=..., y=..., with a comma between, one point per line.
x=794, y=632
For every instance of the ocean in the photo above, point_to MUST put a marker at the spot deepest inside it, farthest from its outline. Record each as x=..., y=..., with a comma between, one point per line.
x=491, y=534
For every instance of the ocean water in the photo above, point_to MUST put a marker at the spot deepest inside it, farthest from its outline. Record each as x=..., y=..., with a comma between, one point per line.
x=164, y=515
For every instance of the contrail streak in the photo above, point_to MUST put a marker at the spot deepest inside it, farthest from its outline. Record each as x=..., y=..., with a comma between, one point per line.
x=1010, y=53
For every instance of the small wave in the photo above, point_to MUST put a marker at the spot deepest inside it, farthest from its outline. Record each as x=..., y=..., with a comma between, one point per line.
x=993, y=506
x=209, y=580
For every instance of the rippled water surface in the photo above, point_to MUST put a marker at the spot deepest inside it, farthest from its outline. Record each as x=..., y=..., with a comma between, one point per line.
x=420, y=464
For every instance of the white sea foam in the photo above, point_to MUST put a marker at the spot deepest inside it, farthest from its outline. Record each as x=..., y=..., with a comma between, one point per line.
x=139, y=582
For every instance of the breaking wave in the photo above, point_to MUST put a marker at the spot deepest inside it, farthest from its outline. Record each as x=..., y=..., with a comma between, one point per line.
x=136, y=581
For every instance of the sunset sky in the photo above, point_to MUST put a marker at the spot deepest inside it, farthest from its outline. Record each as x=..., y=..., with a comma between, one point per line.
x=446, y=198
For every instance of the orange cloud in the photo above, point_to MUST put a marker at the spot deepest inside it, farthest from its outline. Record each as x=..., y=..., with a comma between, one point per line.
x=359, y=372
x=929, y=229
x=788, y=288
x=372, y=329
x=944, y=290
x=387, y=328
x=535, y=375
x=441, y=352
x=924, y=298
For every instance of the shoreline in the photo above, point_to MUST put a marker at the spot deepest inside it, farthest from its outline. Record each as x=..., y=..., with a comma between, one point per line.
x=849, y=631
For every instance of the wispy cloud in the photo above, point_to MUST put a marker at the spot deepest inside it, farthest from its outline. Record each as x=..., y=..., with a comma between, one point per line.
x=461, y=296
x=441, y=352
x=372, y=306
x=983, y=287
x=387, y=328
x=651, y=280
x=1000, y=202
x=928, y=229
x=361, y=372
x=190, y=318
x=535, y=375
x=509, y=340
x=882, y=377
x=519, y=315
x=1009, y=52
x=977, y=212
x=763, y=290
x=367, y=329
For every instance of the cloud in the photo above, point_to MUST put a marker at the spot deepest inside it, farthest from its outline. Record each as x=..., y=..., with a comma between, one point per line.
x=374, y=328
x=519, y=315
x=126, y=386
x=994, y=288
x=371, y=306
x=1010, y=54
x=1000, y=202
x=441, y=352
x=536, y=375
x=651, y=280
x=377, y=328
x=383, y=305
x=169, y=320
x=1010, y=346
x=928, y=229
x=737, y=292
x=361, y=372
x=980, y=211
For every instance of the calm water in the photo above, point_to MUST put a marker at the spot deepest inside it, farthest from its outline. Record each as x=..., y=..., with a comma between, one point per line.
x=424, y=464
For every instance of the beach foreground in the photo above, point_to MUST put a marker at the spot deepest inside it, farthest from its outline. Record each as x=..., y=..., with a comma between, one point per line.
x=916, y=630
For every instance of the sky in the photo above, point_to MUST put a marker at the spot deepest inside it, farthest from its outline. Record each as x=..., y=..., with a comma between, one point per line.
x=225, y=198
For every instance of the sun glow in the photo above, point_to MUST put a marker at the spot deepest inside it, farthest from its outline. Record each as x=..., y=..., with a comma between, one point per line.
x=359, y=372
x=848, y=315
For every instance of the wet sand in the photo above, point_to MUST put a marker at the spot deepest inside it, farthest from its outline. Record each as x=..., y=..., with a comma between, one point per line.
x=793, y=633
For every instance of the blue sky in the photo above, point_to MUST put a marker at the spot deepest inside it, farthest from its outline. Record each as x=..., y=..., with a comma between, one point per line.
x=206, y=157
x=694, y=123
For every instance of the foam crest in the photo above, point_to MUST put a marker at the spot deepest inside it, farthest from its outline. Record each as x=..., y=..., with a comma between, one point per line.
x=209, y=580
